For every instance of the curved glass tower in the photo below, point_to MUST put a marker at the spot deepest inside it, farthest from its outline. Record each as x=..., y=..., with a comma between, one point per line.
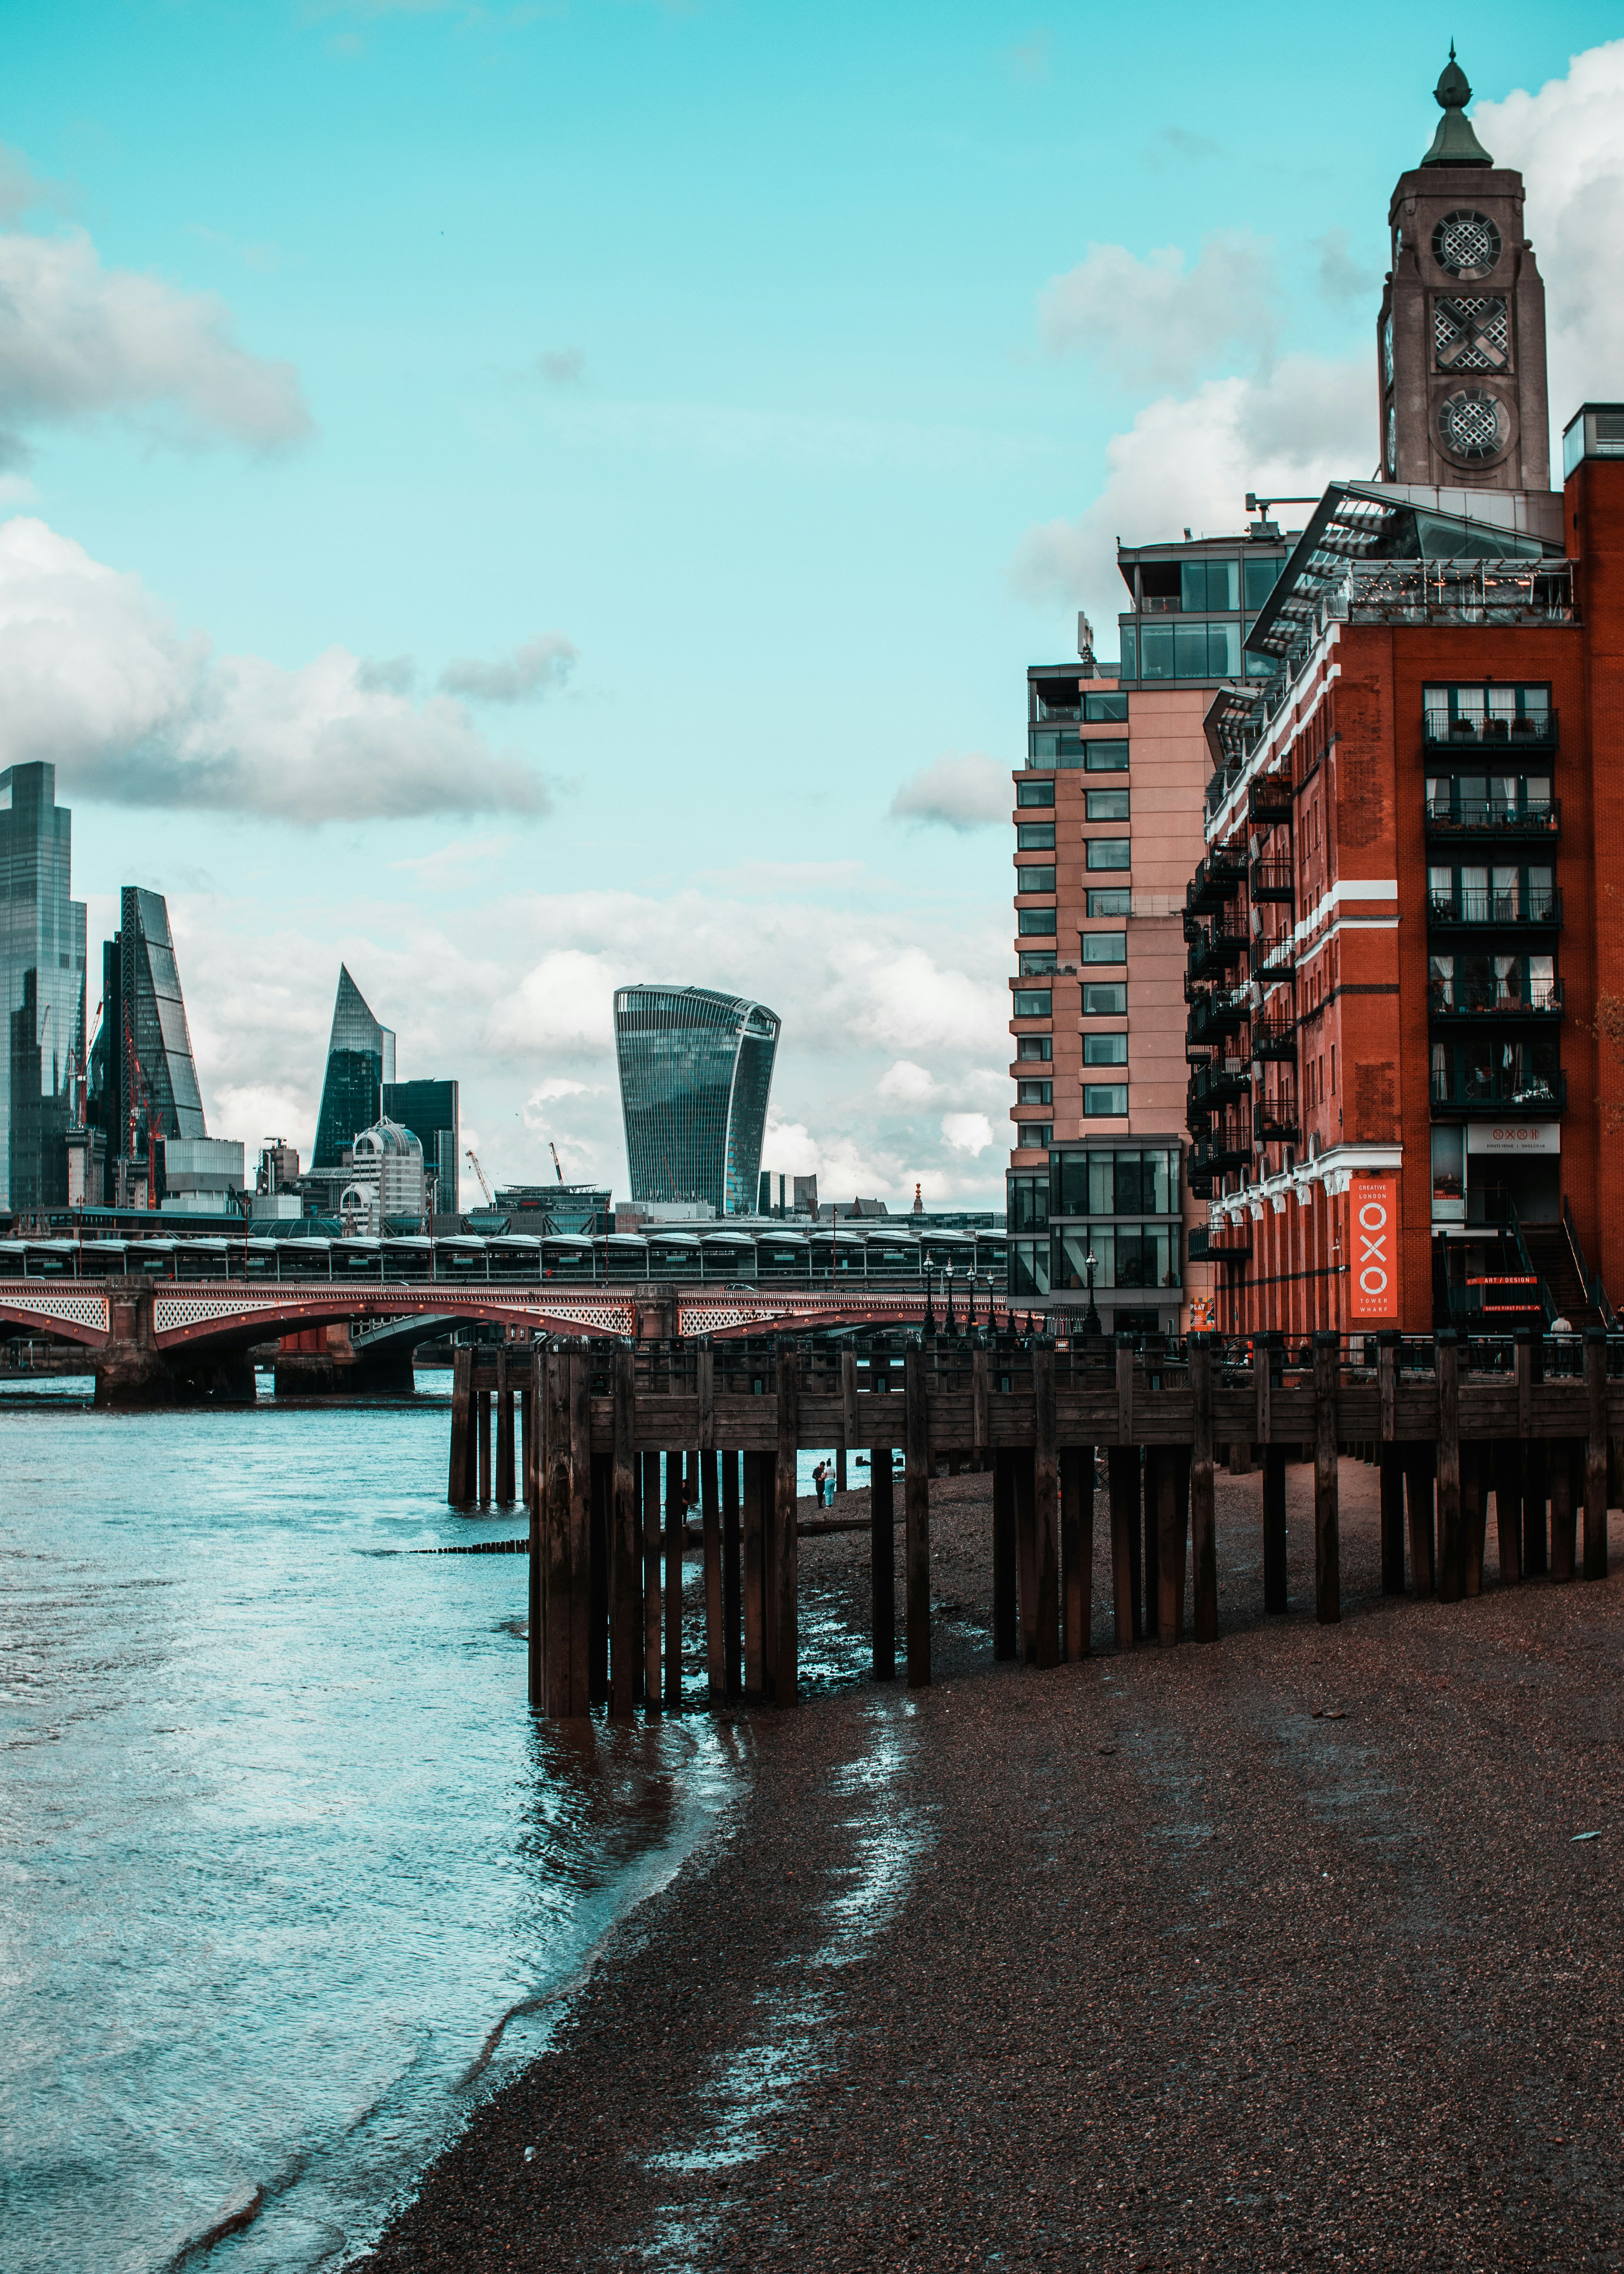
x=695, y=1069
x=360, y=1060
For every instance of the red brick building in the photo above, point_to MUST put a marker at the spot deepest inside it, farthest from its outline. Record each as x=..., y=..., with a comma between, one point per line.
x=1412, y=894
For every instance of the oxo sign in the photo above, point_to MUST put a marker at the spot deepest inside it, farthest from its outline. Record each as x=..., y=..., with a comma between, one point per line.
x=1372, y=1228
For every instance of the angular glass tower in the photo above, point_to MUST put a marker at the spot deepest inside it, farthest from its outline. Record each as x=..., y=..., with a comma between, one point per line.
x=696, y=1070
x=143, y=1077
x=43, y=990
x=360, y=1060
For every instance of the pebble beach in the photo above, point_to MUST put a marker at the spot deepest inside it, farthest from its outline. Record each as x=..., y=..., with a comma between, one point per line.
x=1293, y=1950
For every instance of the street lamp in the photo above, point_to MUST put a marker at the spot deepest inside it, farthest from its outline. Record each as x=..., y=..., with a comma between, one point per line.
x=1091, y=1322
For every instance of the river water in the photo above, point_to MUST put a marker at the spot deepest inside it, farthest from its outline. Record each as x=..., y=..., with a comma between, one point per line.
x=280, y=1844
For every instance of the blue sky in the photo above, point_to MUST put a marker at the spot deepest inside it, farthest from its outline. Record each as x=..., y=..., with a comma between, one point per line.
x=658, y=435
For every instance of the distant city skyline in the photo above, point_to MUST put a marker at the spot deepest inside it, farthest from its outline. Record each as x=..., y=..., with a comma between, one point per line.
x=493, y=553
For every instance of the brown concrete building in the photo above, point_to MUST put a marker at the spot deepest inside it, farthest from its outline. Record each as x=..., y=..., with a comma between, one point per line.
x=1407, y=918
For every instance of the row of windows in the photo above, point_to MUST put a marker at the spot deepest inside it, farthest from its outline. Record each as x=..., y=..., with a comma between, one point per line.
x=1483, y=801
x=1102, y=1101
x=1497, y=892
x=1051, y=746
x=1099, y=1050
x=1491, y=700
x=1205, y=583
x=1490, y=982
x=1102, y=999
x=1096, y=1182
x=1124, y=1255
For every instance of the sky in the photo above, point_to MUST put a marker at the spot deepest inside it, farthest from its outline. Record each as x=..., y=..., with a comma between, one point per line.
x=524, y=499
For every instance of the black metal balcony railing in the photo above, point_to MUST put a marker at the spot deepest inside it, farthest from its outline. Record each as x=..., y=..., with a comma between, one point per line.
x=1533, y=1097
x=1273, y=951
x=1217, y=1155
x=1221, y=1012
x=1274, y=1036
x=1269, y=798
x=1221, y=1081
x=1528, y=730
x=1538, y=909
x=1220, y=949
x=1535, y=998
x=1274, y=1118
x=1495, y=817
x=1272, y=880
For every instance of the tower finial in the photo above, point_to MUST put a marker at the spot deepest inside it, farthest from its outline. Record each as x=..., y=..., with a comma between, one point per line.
x=1454, y=144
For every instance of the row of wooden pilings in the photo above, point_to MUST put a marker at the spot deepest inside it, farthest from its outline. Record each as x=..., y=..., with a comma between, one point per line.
x=619, y=1447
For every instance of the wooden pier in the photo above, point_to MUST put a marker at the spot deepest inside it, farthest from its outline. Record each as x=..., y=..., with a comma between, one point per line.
x=624, y=1446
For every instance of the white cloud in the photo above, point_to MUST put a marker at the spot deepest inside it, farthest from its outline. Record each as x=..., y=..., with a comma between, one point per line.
x=94, y=678
x=963, y=792
x=967, y=1133
x=1189, y=462
x=1568, y=142
x=534, y=666
x=904, y=1083
x=80, y=342
x=1154, y=322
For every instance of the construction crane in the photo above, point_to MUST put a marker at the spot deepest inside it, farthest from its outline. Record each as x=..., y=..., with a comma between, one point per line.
x=489, y=1198
x=557, y=1166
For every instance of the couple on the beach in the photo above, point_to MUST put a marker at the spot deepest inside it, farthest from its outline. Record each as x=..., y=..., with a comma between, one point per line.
x=823, y=1484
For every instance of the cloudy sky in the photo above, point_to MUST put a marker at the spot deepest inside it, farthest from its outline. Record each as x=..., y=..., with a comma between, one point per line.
x=525, y=498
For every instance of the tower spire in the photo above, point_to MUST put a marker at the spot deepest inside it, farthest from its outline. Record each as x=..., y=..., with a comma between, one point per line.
x=1455, y=143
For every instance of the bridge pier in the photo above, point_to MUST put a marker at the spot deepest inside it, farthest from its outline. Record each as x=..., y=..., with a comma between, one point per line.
x=132, y=1371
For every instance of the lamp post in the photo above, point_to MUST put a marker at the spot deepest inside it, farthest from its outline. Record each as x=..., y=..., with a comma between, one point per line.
x=1091, y=1322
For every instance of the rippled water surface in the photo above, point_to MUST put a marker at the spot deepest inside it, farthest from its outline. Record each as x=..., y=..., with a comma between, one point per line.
x=280, y=1844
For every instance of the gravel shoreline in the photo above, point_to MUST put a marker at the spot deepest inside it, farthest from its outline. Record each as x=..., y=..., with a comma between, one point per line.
x=1280, y=1952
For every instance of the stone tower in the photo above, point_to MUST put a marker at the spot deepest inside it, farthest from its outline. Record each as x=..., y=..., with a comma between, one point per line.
x=1460, y=343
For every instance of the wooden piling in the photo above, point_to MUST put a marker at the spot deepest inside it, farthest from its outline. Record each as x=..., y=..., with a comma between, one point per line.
x=710, y=1518
x=1327, y=1545
x=848, y=1418
x=1392, y=1462
x=882, y=1563
x=1122, y=1472
x=560, y=1702
x=1474, y=1515
x=755, y=1580
x=624, y=1588
x=1596, y=1454
x=1076, y=1550
x=1418, y=1501
x=1567, y=1467
x=578, y=1390
x=1203, y=1503
x=504, y=1430
x=1026, y=1555
x=676, y=1523
x=1274, y=1587
x=1169, y=1559
x=536, y=1638
x=916, y=1517
x=732, y=1597
x=1448, y=1349
x=651, y=1581
x=980, y=1390
x=1150, y=1494
x=1046, y=1496
x=482, y=1417
x=1005, y=1602
x=786, y=1668
x=602, y=1552
x=1507, y=1473
x=1536, y=1493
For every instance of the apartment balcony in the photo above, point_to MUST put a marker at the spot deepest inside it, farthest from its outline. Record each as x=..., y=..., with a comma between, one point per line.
x=1492, y=821
x=1273, y=954
x=1475, y=911
x=1497, y=732
x=1272, y=880
x=1217, y=879
x=1220, y=1083
x=1274, y=1037
x=1219, y=1155
x=1457, y=999
x=1216, y=951
x=1498, y=1097
x=1215, y=1015
x=1232, y=1245
x=1274, y=1119
x=1269, y=798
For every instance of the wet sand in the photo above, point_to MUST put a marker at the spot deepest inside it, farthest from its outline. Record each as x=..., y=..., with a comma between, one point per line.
x=1280, y=1952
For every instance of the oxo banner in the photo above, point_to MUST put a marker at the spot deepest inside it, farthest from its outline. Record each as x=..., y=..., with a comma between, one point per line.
x=1373, y=1231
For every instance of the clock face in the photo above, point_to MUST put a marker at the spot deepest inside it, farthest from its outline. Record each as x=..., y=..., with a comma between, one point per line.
x=1466, y=244
x=1386, y=350
x=1473, y=425
x=1472, y=334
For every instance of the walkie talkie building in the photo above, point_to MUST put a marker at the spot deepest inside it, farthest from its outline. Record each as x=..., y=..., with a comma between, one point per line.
x=696, y=1070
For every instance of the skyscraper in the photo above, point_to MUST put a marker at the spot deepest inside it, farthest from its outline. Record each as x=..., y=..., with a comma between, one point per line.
x=42, y=976
x=360, y=1060
x=143, y=1078
x=696, y=1070
x=429, y=1109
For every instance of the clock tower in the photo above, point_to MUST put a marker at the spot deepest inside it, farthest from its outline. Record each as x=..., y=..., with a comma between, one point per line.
x=1461, y=342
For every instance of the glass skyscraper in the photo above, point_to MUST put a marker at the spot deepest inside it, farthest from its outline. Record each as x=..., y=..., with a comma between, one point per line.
x=142, y=1073
x=360, y=1060
x=696, y=1070
x=43, y=974
x=429, y=1109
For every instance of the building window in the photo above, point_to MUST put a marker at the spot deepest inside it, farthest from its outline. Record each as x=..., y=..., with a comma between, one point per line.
x=1105, y=805
x=1209, y=584
x=1035, y=920
x=1487, y=801
x=1035, y=836
x=1129, y=635
x=1033, y=1135
x=1028, y=1202
x=1105, y=1049
x=1035, y=1046
x=1034, y=1093
x=1034, y=793
x=1028, y=1267
x=1100, y=1182
x=1124, y=1255
x=1037, y=963
x=1098, y=710
x=1105, y=758
x=1104, y=1099
x=1104, y=946
x=1105, y=998
x=1111, y=901
x=1262, y=576
x=1031, y=878
x=1259, y=666
x=1110, y=853
x=1033, y=1002
x=1490, y=713
x=1189, y=651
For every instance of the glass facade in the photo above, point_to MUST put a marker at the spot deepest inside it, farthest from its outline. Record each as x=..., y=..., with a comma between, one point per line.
x=360, y=1061
x=696, y=1073
x=429, y=1110
x=42, y=973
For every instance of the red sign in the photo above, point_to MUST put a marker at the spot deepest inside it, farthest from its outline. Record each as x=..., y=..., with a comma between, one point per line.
x=1373, y=1230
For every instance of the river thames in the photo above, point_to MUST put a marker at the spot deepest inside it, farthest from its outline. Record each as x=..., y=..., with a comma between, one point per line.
x=288, y=1872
